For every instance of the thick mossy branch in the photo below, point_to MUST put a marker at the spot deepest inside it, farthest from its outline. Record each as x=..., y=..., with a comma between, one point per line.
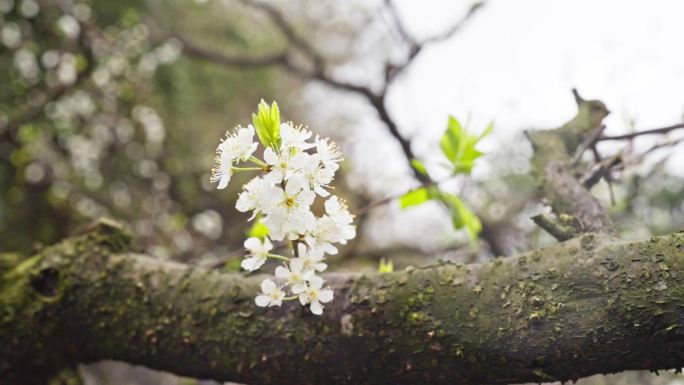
x=589, y=305
x=553, y=163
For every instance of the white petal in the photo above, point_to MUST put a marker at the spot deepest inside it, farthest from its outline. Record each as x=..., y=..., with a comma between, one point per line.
x=282, y=272
x=316, y=307
x=332, y=205
x=320, y=266
x=223, y=182
x=321, y=191
x=315, y=282
x=325, y=295
x=268, y=286
x=252, y=263
x=303, y=298
x=276, y=302
x=329, y=248
x=298, y=288
x=271, y=157
x=308, y=275
x=252, y=244
x=296, y=264
x=268, y=246
x=262, y=300
x=295, y=184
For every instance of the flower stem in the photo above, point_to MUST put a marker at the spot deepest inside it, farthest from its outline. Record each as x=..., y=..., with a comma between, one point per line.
x=290, y=298
x=295, y=249
x=257, y=161
x=276, y=256
x=246, y=168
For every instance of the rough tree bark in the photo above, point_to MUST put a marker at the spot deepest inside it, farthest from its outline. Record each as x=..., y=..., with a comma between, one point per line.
x=591, y=304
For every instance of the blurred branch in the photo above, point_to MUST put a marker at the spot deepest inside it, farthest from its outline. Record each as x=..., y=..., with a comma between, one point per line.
x=600, y=170
x=415, y=47
x=288, y=31
x=196, y=51
x=589, y=142
x=662, y=130
x=553, y=164
x=318, y=72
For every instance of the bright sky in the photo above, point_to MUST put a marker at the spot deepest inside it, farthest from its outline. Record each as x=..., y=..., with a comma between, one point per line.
x=515, y=63
x=517, y=60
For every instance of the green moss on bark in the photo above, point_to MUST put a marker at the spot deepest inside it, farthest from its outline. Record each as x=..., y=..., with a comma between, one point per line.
x=557, y=313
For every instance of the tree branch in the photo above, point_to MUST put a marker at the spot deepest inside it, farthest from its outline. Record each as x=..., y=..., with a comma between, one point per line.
x=661, y=130
x=585, y=306
x=552, y=163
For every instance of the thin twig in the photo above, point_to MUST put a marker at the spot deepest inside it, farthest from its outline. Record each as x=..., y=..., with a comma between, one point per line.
x=288, y=31
x=415, y=47
x=588, y=142
x=193, y=49
x=662, y=130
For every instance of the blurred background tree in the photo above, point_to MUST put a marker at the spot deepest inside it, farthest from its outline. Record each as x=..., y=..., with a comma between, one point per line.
x=98, y=120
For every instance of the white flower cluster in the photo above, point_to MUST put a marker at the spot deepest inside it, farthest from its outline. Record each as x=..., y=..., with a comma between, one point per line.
x=293, y=172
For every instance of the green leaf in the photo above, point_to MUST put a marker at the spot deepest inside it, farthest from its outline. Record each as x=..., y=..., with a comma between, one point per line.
x=414, y=197
x=461, y=216
x=451, y=139
x=459, y=146
x=267, y=124
x=488, y=130
x=386, y=266
x=419, y=166
x=258, y=230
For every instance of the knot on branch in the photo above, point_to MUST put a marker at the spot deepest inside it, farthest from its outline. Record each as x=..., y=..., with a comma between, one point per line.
x=46, y=281
x=109, y=233
x=562, y=228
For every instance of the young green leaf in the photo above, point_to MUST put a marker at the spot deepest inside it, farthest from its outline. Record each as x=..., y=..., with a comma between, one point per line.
x=414, y=197
x=385, y=266
x=461, y=216
x=451, y=139
x=459, y=146
x=267, y=124
x=419, y=166
x=258, y=230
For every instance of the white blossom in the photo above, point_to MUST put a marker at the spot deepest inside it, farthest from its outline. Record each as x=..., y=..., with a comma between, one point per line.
x=290, y=215
x=259, y=195
x=311, y=258
x=294, y=137
x=334, y=227
x=294, y=171
x=223, y=170
x=271, y=295
x=294, y=275
x=328, y=152
x=238, y=145
x=313, y=175
x=314, y=295
x=285, y=163
x=258, y=252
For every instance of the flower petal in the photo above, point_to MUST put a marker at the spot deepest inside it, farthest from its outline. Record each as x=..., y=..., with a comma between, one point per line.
x=252, y=244
x=325, y=295
x=262, y=300
x=268, y=286
x=316, y=307
x=282, y=272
